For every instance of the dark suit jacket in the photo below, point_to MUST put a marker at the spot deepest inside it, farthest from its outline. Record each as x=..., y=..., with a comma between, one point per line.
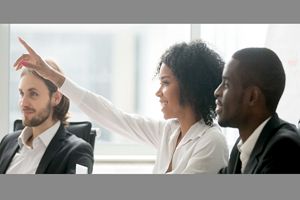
x=61, y=156
x=276, y=151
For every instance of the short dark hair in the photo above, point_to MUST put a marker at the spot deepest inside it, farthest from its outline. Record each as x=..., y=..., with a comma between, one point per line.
x=61, y=111
x=261, y=67
x=198, y=70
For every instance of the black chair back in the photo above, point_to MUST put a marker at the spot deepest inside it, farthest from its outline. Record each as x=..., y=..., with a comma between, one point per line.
x=80, y=129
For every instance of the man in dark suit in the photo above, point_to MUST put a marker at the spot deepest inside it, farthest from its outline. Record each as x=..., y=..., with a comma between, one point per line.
x=44, y=146
x=252, y=84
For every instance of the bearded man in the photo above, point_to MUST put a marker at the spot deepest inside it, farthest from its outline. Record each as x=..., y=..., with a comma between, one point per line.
x=44, y=146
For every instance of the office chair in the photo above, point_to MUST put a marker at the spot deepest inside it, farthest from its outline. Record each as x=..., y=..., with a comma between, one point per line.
x=82, y=130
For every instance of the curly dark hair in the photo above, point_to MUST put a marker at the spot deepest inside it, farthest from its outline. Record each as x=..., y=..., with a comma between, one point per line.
x=198, y=70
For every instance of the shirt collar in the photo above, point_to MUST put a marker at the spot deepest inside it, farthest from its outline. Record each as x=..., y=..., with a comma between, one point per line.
x=196, y=130
x=45, y=136
x=24, y=136
x=248, y=145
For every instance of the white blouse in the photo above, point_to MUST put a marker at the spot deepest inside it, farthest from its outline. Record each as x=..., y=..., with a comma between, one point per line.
x=202, y=150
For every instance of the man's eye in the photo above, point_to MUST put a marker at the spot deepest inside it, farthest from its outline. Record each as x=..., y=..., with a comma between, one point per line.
x=33, y=94
x=225, y=84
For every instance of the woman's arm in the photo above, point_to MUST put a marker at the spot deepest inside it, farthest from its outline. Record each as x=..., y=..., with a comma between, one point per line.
x=140, y=129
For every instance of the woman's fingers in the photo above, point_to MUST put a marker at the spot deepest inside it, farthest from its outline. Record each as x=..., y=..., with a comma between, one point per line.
x=28, y=65
x=22, y=58
x=29, y=60
x=21, y=64
x=28, y=48
x=32, y=61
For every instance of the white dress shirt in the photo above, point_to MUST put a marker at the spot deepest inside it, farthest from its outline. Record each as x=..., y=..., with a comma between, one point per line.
x=26, y=160
x=202, y=150
x=247, y=147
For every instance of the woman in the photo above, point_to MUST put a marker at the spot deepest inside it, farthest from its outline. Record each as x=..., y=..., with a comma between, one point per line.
x=188, y=140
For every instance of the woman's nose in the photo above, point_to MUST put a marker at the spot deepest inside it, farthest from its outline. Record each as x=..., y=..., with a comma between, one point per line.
x=158, y=93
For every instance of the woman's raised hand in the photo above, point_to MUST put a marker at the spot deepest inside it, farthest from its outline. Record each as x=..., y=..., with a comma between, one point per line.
x=33, y=61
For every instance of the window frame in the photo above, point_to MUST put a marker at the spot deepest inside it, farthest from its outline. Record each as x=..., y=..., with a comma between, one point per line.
x=4, y=79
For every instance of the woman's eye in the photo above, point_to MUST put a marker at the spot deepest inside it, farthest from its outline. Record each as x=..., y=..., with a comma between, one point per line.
x=164, y=83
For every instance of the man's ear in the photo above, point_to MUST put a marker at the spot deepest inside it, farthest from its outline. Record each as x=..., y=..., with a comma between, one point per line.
x=254, y=95
x=56, y=98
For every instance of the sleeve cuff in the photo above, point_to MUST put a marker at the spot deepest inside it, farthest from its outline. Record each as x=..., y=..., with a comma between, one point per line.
x=73, y=91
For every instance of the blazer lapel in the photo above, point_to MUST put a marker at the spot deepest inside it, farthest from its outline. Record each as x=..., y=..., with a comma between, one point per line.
x=234, y=164
x=9, y=156
x=236, y=155
x=259, y=146
x=54, y=146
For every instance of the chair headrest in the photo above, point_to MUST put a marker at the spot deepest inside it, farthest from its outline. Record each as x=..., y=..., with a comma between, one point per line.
x=80, y=129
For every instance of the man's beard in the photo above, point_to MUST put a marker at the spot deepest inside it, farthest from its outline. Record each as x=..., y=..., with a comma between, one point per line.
x=40, y=118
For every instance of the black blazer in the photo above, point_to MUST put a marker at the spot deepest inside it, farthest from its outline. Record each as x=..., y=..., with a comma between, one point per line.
x=61, y=156
x=276, y=151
